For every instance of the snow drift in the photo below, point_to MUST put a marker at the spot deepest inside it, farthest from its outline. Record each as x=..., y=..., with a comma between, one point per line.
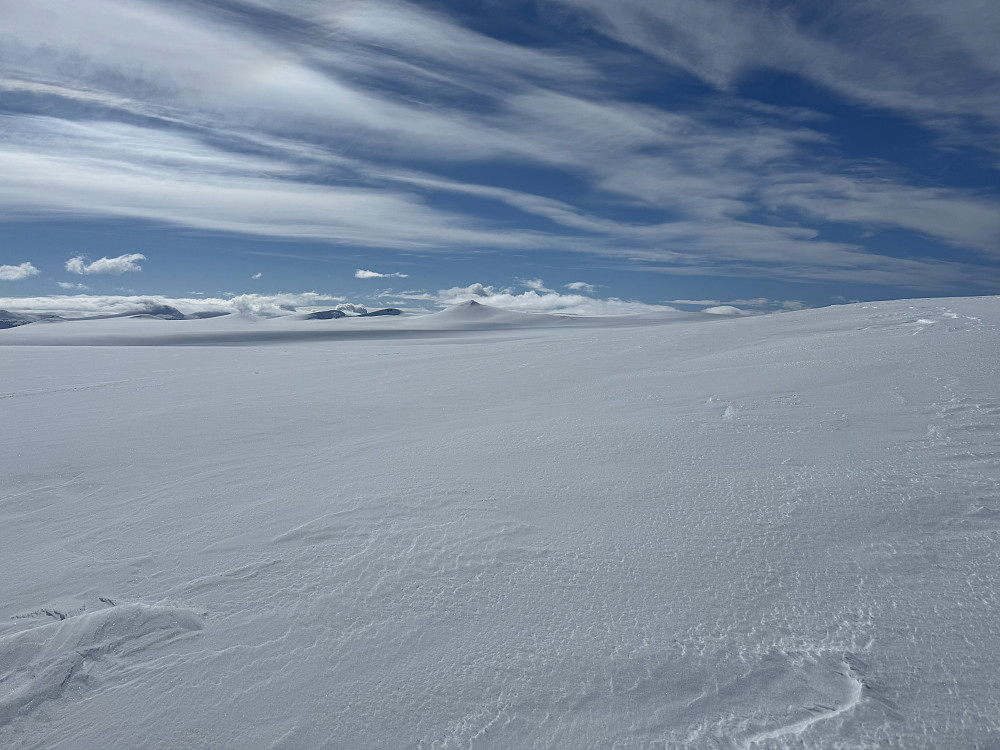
x=474, y=530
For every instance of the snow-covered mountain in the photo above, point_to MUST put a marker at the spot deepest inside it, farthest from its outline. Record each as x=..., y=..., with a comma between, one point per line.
x=479, y=529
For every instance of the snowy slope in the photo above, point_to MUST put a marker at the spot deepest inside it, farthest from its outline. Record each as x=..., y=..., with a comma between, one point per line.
x=464, y=530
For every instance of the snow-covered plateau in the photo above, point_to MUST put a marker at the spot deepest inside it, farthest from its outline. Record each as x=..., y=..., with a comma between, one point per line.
x=483, y=529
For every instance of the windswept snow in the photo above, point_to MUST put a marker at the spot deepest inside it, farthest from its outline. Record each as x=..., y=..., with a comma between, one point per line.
x=484, y=529
x=49, y=660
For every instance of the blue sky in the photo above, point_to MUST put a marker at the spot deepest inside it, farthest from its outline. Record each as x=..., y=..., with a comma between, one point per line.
x=766, y=155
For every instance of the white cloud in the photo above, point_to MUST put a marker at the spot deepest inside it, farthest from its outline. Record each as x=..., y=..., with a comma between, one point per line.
x=536, y=284
x=350, y=307
x=362, y=274
x=256, y=276
x=424, y=33
x=581, y=286
x=17, y=273
x=532, y=301
x=215, y=190
x=70, y=285
x=124, y=170
x=950, y=215
x=933, y=61
x=250, y=114
x=118, y=265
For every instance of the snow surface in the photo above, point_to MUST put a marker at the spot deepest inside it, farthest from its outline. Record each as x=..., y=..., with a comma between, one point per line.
x=480, y=529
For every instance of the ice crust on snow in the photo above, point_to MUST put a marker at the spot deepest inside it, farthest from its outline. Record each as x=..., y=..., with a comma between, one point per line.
x=491, y=530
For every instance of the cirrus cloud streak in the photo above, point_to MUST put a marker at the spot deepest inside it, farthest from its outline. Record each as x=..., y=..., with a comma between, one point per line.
x=201, y=116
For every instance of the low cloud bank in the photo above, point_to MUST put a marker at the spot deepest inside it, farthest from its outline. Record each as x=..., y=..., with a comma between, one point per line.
x=89, y=305
x=531, y=301
x=537, y=298
x=756, y=306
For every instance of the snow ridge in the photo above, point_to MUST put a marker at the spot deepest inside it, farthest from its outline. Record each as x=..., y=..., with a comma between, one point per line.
x=43, y=663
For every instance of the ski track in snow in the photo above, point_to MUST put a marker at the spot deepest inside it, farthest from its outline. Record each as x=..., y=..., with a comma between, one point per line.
x=471, y=532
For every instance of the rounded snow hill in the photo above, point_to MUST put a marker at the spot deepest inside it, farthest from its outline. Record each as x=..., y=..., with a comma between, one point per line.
x=473, y=315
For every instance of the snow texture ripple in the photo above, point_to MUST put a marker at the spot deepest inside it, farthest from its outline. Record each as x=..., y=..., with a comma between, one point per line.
x=476, y=530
